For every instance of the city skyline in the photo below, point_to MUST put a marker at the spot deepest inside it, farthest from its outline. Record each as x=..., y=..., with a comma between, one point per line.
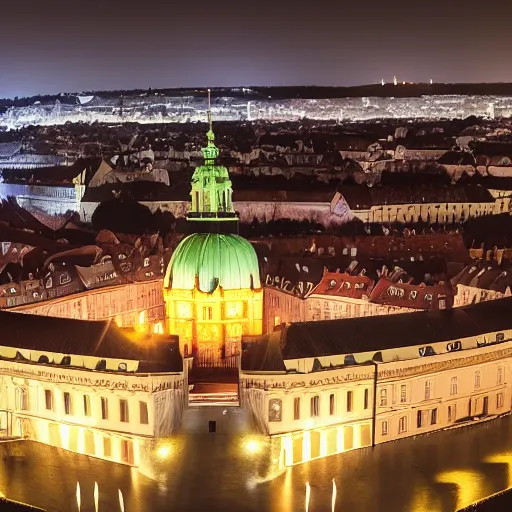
x=81, y=47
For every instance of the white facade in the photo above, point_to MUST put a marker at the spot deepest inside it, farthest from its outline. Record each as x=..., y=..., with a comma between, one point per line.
x=113, y=416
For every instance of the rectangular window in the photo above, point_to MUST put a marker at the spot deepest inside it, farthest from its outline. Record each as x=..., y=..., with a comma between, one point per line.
x=87, y=405
x=315, y=406
x=207, y=313
x=350, y=400
x=419, y=419
x=428, y=389
x=123, y=410
x=450, y=414
x=296, y=409
x=403, y=393
x=477, y=380
x=144, y=417
x=127, y=451
x=384, y=428
x=21, y=399
x=104, y=408
x=366, y=398
x=499, y=400
x=402, y=424
x=332, y=405
x=500, y=375
x=48, y=399
x=453, y=386
x=383, y=397
x=107, y=447
x=433, y=416
x=67, y=403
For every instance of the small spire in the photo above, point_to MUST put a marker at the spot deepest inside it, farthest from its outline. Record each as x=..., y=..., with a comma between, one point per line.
x=210, y=122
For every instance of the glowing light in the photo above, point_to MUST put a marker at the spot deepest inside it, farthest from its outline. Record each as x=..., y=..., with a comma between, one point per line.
x=252, y=446
x=308, y=495
x=334, y=493
x=96, y=496
x=2, y=495
x=468, y=483
x=502, y=458
x=163, y=452
x=121, y=500
x=78, y=496
x=395, y=82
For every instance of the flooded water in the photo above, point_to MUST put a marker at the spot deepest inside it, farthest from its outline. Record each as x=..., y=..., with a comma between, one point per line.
x=435, y=473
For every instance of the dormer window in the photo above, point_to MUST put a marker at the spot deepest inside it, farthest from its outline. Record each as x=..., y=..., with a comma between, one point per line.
x=332, y=283
x=146, y=262
x=121, y=256
x=49, y=283
x=413, y=294
x=347, y=285
x=65, y=278
x=428, y=297
x=12, y=290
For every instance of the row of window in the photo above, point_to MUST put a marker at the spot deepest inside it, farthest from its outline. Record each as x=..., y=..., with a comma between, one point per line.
x=69, y=406
x=428, y=417
x=275, y=406
x=383, y=402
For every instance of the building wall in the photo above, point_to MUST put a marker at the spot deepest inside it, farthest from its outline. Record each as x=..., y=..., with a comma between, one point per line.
x=139, y=305
x=482, y=375
x=211, y=325
x=471, y=294
x=33, y=396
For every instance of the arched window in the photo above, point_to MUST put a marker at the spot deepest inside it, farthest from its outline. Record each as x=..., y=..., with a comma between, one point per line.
x=21, y=399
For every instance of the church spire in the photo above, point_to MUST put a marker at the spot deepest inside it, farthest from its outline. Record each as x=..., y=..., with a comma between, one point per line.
x=211, y=187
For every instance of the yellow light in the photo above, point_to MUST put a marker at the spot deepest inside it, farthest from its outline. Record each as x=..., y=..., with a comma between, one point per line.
x=2, y=495
x=163, y=452
x=469, y=485
x=252, y=446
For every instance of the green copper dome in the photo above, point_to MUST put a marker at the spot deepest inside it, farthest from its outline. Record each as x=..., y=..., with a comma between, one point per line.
x=219, y=260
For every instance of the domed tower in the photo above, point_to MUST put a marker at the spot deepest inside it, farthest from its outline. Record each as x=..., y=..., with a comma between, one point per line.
x=212, y=286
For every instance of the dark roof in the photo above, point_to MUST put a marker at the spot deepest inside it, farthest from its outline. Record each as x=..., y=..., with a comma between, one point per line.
x=500, y=501
x=9, y=149
x=374, y=333
x=263, y=353
x=102, y=339
x=14, y=506
x=363, y=197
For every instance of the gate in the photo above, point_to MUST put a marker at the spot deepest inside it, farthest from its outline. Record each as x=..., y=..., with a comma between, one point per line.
x=208, y=368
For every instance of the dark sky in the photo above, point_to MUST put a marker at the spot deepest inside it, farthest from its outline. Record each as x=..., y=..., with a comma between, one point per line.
x=49, y=46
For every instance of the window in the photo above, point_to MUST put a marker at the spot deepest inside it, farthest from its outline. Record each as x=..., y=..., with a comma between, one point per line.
x=384, y=428
x=104, y=408
x=350, y=400
x=123, y=410
x=453, y=386
x=403, y=393
x=433, y=416
x=499, y=400
x=277, y=321
x=296, y=409
x=87, y=405
x=366, y=398
x=383, y=397
x=144, y=417
x=107, y=447
x=420, y=419
x=428, y=389
x=500, y=375
x=48, y=400
x=67, y=403
x=127, y=451
x=402, y=424
x=332, y=405
x=207, y=313
x=275, y=408
x=477, y=380
x=21, y=399
x=64, y=278
x=315, y=406
x=452, y=413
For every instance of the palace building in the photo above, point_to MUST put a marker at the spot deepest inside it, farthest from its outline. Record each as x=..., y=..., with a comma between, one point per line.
x=212, y=286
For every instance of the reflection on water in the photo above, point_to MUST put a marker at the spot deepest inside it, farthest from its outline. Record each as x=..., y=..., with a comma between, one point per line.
x=434, y=473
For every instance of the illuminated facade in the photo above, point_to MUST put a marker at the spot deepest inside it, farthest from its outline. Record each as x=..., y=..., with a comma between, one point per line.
x=92, y=389
x=320, y=388
x=212, y=286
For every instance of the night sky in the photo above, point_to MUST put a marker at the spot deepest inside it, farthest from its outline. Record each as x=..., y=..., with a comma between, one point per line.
x=53, y=46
